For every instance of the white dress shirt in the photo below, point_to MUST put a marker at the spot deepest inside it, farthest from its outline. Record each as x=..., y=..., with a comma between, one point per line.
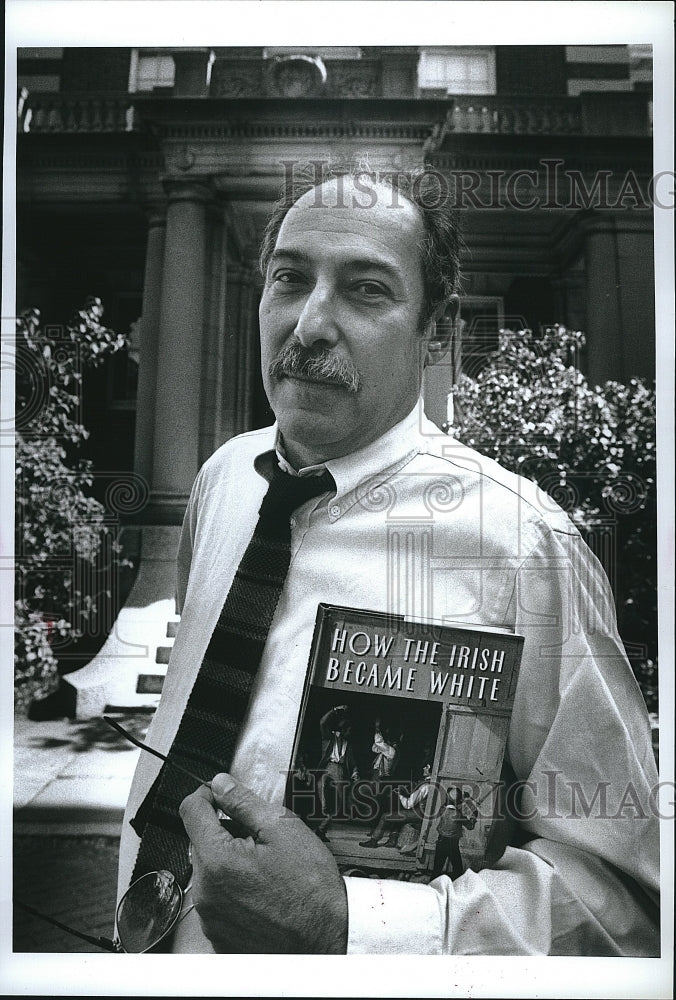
x=338, y=751
x=418, y=795
x=384, y=755
x=423, y=526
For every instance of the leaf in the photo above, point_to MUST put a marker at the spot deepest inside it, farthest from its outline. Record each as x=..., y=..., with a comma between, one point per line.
x=531, y=409
x=49, y=532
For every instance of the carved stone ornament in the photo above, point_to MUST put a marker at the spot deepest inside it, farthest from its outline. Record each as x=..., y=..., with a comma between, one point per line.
x=185, y=158
x=349, y=79
x=297, y=76
x=236, y=79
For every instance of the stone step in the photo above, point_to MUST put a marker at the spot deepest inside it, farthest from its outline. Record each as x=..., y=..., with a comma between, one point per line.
x=149, y=683
x=129, y=669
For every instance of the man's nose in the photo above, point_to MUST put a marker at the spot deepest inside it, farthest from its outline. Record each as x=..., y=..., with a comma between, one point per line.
x=317, y=323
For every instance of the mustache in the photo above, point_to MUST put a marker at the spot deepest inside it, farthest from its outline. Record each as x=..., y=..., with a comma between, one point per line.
x=318, y=364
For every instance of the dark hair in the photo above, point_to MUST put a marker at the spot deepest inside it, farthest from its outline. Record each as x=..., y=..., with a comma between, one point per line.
x=424, y=187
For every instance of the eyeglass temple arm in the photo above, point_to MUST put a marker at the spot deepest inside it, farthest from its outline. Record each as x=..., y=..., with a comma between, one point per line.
x=229, y=824
x=100, y=942
x=155, y=753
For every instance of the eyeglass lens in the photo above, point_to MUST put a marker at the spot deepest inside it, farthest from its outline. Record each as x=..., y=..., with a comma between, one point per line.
x=147, y=911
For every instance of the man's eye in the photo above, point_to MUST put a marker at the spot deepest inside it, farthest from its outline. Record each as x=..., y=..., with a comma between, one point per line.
x=371, y=289
x=286, y=278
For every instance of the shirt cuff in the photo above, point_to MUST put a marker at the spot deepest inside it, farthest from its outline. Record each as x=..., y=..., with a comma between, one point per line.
x=386, y=917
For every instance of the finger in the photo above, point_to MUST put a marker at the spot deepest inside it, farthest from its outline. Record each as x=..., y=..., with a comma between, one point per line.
x=200, y=819
x=244, y=806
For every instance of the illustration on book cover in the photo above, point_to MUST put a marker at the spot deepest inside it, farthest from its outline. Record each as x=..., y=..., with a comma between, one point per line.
x=398, y=756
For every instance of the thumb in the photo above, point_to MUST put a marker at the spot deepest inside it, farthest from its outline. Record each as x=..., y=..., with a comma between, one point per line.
x=244, y=806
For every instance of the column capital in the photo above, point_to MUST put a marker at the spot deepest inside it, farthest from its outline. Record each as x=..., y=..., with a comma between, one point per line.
x=187, y=190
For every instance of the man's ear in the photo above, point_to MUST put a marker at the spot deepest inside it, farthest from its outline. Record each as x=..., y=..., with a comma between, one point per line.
x=440, y=330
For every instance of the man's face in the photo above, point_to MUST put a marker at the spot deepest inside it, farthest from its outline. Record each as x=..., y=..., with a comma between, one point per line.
x=345, y=283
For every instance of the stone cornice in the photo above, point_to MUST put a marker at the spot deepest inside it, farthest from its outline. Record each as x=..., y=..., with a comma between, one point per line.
x=298, y=130
x=271, y=118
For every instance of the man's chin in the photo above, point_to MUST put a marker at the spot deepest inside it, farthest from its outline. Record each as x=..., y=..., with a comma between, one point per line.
x=310, y=435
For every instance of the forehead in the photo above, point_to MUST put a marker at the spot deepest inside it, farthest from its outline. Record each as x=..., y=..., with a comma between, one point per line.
x=340, y=217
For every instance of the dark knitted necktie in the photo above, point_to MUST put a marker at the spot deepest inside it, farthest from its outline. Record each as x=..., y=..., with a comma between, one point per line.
x=207, y=736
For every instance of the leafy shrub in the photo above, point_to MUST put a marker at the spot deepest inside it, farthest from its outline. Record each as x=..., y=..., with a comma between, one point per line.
x=60, y=530
x=592, y=448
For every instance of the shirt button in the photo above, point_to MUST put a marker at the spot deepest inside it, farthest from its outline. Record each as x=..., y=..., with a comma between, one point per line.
x=334, y=510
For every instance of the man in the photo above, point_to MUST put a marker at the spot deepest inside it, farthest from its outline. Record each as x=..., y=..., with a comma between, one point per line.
x=449, y=831
x=337, y=765
x=385, y=748
x=409, y=813
x=415, y=523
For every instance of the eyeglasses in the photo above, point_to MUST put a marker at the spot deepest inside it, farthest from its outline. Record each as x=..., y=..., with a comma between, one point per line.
x=150, y=909
x=153, y=904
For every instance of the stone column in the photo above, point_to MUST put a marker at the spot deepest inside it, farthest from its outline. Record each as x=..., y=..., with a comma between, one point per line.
x=619, y=298
x=440, y=377
x=129, y=669
x=570, y=299
x=179, y=362
x=436, y=388
x=635, y=265
x=245, y=352
x=150, y=325
x=232, y=353
x=604, y=314
x=213, y=424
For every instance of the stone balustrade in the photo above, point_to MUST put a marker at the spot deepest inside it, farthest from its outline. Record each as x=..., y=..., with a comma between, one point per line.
x=515, y=115
x=598, y=114
x=77, y=113
x=593, y=113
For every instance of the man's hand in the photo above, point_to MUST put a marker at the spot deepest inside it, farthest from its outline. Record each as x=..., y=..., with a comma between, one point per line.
x=276, y=891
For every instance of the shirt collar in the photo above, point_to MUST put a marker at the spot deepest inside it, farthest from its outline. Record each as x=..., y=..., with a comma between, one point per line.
x=363, y=470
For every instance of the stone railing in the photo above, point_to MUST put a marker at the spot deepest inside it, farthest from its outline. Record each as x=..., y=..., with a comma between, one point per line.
x=75, y=113
x=594, y=113
x=515, y=115
x=600, y=114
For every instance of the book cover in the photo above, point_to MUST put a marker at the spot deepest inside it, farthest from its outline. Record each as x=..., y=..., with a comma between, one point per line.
x=399, y=748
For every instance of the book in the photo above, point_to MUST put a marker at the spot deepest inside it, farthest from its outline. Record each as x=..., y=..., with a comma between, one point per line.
x=398, y=756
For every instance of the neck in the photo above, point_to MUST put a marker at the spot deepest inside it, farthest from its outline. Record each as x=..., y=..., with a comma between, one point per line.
x=301, y=454
x=301, y=457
